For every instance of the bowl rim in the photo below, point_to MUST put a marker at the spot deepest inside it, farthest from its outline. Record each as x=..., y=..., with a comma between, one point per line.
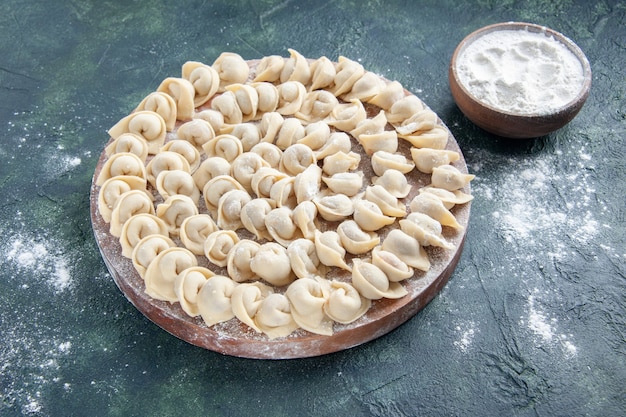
x=535, y=28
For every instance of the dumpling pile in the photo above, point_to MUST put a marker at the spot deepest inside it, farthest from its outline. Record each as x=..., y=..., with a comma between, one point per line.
x=275, y=191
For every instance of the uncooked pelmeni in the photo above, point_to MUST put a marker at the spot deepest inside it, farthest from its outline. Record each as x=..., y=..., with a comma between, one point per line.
x=285, y=194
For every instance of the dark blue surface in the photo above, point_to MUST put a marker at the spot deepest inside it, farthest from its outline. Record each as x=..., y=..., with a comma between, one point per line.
x=532, y=322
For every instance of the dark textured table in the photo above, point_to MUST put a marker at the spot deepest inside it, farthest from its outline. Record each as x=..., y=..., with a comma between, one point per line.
x=532, y=322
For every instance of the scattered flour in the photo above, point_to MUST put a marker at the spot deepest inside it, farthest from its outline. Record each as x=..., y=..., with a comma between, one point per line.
x=466, y=332
x=36, y=260
x=544, y=209
x=545, y=327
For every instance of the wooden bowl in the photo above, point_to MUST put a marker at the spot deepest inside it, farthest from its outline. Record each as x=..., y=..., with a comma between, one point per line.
x=512, y=124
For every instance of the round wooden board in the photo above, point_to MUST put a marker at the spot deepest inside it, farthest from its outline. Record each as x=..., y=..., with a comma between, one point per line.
x=236, y=339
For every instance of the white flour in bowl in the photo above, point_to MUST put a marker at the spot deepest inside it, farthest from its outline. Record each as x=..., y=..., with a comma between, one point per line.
x=520, y=72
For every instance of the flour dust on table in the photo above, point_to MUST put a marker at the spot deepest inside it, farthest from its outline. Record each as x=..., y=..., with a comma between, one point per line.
x=542, y=233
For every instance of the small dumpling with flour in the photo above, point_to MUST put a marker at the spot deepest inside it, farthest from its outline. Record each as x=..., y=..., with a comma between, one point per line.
x=450, y=178
x=214, y=300
x=308, y=296
x=187, y=287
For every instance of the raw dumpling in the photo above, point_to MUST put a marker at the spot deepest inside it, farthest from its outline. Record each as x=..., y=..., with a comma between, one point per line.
x=204, y=78
x=315, y=135
x=212, y=117
x=348, y=183
x=433, y=207
x=392, y=92
x=395, y=269
x=268, y=98
x=450, y=178
x=337, y=142
x=183, y=93
x=113, y=188
x=226, y=103
x=449, y=198
x=345, y=304
x=226, y=146
x=186, y=150
x=404, y=108
x=308, y=297
x=426, y=159
x=269, y=152
x=121, y=164
x=323, y=73
x=138, y=227
x=423, y=120
x=269, y=68
x=296, y=158
x=247, y=98
x=147, y=249
x=146, y=124
x=163, y=270
x=253, y=216
x=365, y=87
x=248, y=133
x=231, y=68
x=216, y=188
x=178, y=182
x=274, y=316
x=329, y=249
x=127, y=205
x=334, y=207
x=128, y=142
x=246, y=299
x=270, y=125
x=347, y=116
x=175, y=210
x=373, y=137
x=435, y=138
x=290, y=97
x=303, y=258
x=218, y=244
x=393, y=181
x=210, y=168
x=316, y=106
x=283, y=192
x=354, y=239
x=340, y=162
x=229, y=208
x=425, y=229
x=348, y=72
x=160, y=103
x=382, y=161
x=194, y=230
x=388, y=203
x=165, y=161
x=407, y=249
x=372, y=283
x=305, y=217
x=197, y=132
x=369, y=216
x=245, y=166
x=281, y=227
x=271, y=263
x=214, y=300
x=187, y=286
x=238, y=261
x=291, y=131
x=307, y=183
x=296, y=68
